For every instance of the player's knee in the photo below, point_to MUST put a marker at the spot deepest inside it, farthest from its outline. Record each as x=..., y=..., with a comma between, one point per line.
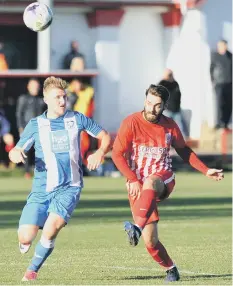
x=26, y=237
x=148, y=184
x=52, y=229
x=58, y=225
x=154, y=183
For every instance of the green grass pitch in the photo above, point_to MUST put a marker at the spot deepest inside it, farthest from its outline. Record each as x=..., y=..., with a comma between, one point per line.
x=195, y=226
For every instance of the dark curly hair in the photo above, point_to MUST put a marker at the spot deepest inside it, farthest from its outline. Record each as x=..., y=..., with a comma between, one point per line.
x=160, y=91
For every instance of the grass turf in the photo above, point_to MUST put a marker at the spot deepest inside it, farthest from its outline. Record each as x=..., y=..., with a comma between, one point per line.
x=195, y=226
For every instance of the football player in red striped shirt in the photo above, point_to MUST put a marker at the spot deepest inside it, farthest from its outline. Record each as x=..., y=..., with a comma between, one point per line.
x=141, y=153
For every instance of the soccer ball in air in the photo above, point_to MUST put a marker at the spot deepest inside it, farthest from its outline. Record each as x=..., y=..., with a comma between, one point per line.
x=37, y=16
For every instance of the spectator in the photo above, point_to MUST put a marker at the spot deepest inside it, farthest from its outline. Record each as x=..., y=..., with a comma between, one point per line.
x=81, y=99
x=9, y=108
x=5, y=134
x=3, y=59
x=74, y=60
x=221, y=76
x=9, y=56
x=173, y=109
x=29, y=105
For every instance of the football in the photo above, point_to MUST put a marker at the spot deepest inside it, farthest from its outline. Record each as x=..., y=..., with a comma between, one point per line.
x=37, y=16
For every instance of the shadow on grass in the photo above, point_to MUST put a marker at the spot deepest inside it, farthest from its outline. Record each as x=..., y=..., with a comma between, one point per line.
x=146, y=277
x=183, y=277
x=118, y=209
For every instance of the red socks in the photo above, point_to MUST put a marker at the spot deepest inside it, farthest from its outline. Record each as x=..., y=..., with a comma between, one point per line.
x=160, y=255
x=144, y=206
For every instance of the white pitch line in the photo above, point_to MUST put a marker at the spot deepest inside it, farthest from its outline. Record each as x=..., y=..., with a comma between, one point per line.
x=118, y=267
x=153, y=269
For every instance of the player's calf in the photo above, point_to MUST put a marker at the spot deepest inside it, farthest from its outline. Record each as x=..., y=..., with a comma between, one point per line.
x=42, y=251
x=144, y=206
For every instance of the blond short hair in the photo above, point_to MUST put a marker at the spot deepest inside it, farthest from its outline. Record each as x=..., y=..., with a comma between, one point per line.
x=54, y=82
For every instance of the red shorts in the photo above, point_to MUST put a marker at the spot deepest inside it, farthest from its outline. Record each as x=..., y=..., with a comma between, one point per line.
x=169, y=180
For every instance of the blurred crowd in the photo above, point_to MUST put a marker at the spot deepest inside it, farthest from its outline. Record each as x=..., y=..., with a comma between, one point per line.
x=16, y=112
x=10, y=58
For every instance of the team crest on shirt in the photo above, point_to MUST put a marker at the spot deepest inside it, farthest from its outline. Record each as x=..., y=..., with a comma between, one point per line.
x=59, y=140
x=168, y=138
x=69, y=124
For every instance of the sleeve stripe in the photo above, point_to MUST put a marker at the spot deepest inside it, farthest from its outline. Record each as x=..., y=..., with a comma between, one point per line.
x=28, y=143
x=95, y=133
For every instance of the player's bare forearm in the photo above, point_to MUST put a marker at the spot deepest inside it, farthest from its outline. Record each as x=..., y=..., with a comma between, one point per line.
x=94, y=160
x=122, y=165
x=189, y=156
x=105, y=142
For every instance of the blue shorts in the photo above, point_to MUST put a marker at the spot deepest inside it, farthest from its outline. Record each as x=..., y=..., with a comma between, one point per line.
x=39, y=205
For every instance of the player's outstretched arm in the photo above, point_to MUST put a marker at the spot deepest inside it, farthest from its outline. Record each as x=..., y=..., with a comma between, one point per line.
x=17, y=155
x=94, y=160
x=190, y=157
x=26, y=141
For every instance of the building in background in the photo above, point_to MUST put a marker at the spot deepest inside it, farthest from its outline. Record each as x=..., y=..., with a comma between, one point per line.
x=129, y=44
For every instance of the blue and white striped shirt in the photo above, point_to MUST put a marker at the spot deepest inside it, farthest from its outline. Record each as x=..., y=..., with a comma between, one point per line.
x=58, y=160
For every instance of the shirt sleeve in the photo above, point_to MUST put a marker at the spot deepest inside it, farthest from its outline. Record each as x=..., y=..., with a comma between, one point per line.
x=89, y=125
x=177, y=137
x=187, y=154
x=27, y=139
x=124, y=137
x=121, y=147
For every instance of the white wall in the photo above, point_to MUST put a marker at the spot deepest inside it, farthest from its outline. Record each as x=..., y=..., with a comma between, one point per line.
x=67, y=27
x=133, y=55
x=170, y=36
x=218, y=21
x=141, y=57
x=189, y=58
x=107, y=82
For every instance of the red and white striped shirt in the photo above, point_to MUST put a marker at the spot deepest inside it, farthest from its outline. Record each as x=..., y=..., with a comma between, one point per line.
x=142, y=148
x=147, y=145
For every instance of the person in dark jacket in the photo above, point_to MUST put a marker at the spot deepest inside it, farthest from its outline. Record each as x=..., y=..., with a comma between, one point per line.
x=72, y=56
x=28, y=106
x=221, y=76
x=173, y=108
x=5, y=134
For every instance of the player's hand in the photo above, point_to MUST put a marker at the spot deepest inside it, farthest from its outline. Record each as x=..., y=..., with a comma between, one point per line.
x=215, y=174
x=17, y=156
x=134, y=189
x=94, y=160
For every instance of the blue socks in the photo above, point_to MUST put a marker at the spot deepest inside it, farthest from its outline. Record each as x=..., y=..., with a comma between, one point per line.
x=42, y=251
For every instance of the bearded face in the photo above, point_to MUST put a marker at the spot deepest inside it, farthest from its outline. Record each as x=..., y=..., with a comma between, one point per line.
x=153, y=108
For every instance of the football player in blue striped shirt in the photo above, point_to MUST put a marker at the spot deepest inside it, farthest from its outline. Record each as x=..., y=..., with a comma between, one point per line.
x=58, y=178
